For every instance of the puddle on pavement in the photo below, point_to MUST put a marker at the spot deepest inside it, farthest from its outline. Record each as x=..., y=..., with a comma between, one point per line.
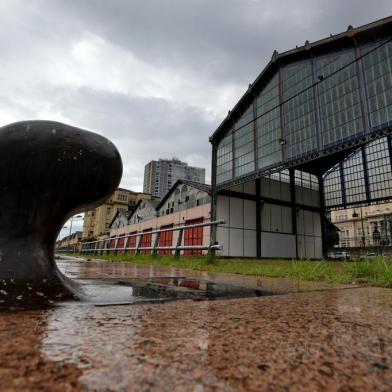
x=131, y=290
x=105, y=284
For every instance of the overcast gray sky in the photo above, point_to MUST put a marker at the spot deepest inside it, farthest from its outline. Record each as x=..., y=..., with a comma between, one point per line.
x=154, y=76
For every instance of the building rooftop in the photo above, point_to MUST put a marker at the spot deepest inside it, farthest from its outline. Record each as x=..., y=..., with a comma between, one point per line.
x=173, y=160
x=127, y=190
x=346, y=39
x=198, y=185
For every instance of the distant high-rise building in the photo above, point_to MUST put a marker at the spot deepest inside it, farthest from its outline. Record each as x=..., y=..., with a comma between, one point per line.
x=159, y=176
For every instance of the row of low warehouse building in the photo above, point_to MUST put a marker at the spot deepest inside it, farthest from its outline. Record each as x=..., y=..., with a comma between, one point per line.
x=189, y=203
x=186, y=203
x=70, y=243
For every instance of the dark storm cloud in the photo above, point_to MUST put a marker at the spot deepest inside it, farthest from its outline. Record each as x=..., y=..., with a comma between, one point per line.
x=155, y=76
x=140, y=126
x=143, y=128
x=220, y=38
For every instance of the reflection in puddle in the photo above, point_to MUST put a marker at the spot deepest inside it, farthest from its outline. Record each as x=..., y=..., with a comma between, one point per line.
x=127, y=289
x=167, y=283
x=190, y=288
x=116, y=291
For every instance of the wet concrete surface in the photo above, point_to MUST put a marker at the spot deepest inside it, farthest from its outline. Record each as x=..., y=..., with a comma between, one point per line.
x=310, y=337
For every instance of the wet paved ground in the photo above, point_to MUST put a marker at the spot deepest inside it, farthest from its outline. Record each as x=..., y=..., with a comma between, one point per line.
x=314, y=337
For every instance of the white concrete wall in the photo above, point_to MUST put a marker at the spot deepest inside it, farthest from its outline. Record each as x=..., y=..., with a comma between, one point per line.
x=277, y=245
x=238, y=235
x=309, y=235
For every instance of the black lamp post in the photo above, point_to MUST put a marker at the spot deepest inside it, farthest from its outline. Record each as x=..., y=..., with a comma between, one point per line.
x=76, y=217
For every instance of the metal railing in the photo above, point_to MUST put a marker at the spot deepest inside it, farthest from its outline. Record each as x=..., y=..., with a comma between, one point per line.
x=67, y=249
x=103, y=246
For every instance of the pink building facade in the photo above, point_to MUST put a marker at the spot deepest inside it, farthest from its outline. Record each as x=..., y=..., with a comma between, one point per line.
x=187, y=203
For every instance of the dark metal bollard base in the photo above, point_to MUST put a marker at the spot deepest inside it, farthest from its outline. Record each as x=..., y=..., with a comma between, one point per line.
x=48, y=172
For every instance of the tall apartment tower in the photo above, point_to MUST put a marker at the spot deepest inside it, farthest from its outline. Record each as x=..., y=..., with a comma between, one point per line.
x=159, y=176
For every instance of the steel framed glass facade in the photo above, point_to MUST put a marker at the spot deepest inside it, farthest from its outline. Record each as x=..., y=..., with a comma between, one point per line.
x=339, y=98
x=379, y=168
x=299, y=109
x=244, y=160
x=312, y=133
x=377, y=65
x=224, y=167
x=269, y=150
x=301, y=178
x=354, y=178
x=281, y=176
x=366, y=174
x=312, y=105
x=333, y=195
x=306, y=180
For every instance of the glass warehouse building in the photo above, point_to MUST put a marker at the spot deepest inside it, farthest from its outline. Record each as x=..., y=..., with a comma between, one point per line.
x=310, y=134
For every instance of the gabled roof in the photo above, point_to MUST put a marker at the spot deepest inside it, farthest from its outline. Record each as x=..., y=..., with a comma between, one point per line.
x=198, y=185
x=347, y=39
x=127, y=214
x=153, y=203
x=127, y=190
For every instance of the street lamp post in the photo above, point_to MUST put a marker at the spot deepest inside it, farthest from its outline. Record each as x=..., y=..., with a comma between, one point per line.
x=58, y=236
x=355, y=215
x=76, y=217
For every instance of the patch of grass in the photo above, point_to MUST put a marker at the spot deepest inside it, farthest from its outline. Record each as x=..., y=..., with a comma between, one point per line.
x=377, y=272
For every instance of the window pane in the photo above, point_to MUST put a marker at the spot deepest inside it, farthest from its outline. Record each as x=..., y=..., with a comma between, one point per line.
x=299, y=109
x=269, y=150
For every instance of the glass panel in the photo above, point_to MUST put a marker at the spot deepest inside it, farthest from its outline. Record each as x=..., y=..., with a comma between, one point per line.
x=379, y=169
x=333, y=188
x=299, y=110
x=354, y=178
x=282, y=176
x=269, y=150
x=244, y=156
x=306, y=180
x=246, y=118
x=379, y=176
x=377, y=67
x=224, y=159
x=340, y=107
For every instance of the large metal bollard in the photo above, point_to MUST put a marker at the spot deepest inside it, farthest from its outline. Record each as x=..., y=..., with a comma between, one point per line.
x=48, y=172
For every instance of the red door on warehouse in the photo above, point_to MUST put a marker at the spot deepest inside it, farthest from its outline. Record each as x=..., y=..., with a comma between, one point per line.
x=112, y=243
x=132, y=242
x=166, y=239
x=120, y=244
x=193, y=236
x=146, y=241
